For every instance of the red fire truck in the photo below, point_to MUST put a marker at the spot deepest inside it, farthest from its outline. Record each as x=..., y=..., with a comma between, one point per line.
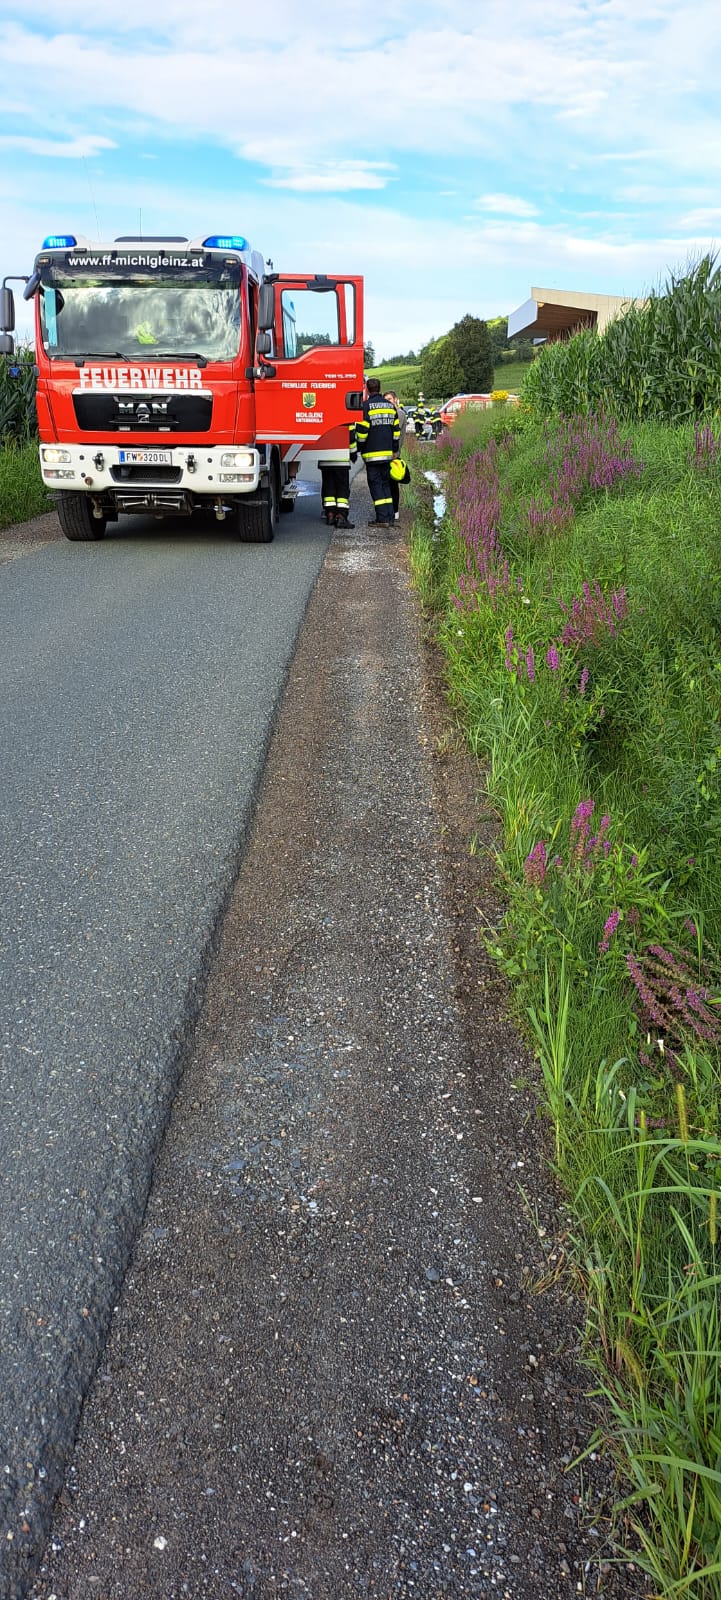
x=180, y=375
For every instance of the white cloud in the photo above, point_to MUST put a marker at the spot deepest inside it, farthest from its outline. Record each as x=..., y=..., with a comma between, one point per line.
x=284, y=90
x=507, y=205
x=360, y=141
x=69, y=150
x=328, y=179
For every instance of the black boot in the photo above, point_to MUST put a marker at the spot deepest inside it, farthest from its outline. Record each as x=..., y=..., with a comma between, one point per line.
x=341, y=520
x=329, y=518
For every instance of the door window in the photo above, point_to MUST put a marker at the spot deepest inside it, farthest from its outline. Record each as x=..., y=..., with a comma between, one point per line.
x=313, y=317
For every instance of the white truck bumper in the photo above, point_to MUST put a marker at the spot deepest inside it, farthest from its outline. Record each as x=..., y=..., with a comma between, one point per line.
x=119, y=468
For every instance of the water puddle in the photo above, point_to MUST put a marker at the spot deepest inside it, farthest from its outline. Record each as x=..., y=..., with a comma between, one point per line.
x=439, y=499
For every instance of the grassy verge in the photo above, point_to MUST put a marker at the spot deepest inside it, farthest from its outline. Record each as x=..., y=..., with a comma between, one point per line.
x=22, y=491
x=576, y=590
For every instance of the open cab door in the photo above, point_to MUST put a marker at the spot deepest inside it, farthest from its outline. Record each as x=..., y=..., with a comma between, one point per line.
x=309, y=360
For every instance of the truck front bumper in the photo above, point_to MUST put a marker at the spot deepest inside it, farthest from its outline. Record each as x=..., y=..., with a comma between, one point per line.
x=112, y=469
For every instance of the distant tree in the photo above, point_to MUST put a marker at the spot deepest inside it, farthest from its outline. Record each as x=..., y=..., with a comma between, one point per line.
x=442, y=372
x=369, y=356
x=471, y=341
x=498, y=334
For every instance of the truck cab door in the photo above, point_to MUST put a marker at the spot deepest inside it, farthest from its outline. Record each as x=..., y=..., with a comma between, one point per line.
x=309, y=363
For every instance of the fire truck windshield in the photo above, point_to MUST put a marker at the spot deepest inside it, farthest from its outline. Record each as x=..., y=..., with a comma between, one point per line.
x=83, y=313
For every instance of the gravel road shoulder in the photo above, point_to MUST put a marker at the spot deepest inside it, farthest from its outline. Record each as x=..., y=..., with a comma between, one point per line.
x=344, y=1362
x=20, y=537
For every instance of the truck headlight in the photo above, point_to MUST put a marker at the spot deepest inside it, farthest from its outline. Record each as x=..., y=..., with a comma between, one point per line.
x=54, y=457
x=237, y=459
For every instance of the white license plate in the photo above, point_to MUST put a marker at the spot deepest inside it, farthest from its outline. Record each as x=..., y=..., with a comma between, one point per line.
x=145, y=458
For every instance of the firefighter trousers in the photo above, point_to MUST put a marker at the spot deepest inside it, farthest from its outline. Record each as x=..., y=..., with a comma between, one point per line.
x=379, y=484
x=335, y=488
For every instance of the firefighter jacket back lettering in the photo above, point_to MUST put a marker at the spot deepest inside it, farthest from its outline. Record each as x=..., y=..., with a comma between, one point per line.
x=379, y=431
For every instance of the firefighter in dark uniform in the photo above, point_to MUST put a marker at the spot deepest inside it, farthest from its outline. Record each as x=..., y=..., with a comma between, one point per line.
x=335, y=486
x=379, y=440
x=421, y=416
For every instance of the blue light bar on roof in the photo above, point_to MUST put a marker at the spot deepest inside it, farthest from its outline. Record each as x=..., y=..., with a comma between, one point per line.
x=60, y=241
x=223, y=241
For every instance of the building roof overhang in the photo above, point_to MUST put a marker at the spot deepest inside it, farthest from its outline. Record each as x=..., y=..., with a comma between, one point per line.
x=557, y=313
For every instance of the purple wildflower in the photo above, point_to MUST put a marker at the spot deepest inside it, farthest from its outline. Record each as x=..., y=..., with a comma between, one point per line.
x=651, y=1008
x=609, y=928
x=580, y=822
x=552, y=658
x=583, y=681
x=536, y=864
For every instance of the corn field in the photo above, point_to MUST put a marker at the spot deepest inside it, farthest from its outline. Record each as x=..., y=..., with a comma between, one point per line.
x=658, y=362
x=18, y=424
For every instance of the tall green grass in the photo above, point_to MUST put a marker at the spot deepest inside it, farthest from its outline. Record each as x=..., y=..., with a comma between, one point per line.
x=661, y=360
x=22, y=491
x=18, y=422
x=631, y=720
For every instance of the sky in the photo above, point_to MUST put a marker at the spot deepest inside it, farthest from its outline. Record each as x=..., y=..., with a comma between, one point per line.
x=453, y=154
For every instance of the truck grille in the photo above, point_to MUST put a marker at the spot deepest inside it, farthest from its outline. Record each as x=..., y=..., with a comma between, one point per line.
x=140, y=413
x=146, y=474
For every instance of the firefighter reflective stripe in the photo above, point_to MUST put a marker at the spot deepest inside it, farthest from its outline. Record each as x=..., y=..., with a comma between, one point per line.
x=377, y=455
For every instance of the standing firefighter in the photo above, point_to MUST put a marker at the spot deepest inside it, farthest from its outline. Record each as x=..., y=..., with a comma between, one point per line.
x=397, y=481
x=335, y=486
x=379, y=435
x=421, y=416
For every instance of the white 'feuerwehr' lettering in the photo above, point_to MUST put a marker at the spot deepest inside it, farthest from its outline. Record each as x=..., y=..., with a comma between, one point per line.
x=140, y=378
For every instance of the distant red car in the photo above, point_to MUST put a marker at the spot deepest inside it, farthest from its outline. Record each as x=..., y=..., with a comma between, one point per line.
x=462, y=402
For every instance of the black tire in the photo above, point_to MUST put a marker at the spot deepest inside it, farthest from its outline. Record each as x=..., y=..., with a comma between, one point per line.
x=75, y=515
x=287, y=506
x=256, y=523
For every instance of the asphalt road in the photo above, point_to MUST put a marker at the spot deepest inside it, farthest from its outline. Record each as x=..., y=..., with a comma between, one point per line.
x=140, y=679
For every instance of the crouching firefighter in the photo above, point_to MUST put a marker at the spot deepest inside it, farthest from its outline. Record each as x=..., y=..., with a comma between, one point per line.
x=379, y=439
x=335, y=486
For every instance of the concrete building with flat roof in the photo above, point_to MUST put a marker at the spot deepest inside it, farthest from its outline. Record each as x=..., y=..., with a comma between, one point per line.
x=557, y=313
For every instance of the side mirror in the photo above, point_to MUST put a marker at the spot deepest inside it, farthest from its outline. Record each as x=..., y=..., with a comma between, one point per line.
x=354, y=400
x=7, y=344
x=7, y=309
x=263, y=344
x=266, y=306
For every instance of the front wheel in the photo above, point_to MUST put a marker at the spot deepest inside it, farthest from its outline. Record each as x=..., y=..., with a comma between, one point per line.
x=75, y=515
x=256, y=523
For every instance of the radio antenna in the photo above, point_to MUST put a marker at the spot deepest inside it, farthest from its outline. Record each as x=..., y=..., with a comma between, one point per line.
x=92, y=196
x=140, y=223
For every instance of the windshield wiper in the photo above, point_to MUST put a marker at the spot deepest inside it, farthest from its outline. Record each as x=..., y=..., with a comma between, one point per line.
x=176, y=355
x=80, y=357
x=150, y=354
